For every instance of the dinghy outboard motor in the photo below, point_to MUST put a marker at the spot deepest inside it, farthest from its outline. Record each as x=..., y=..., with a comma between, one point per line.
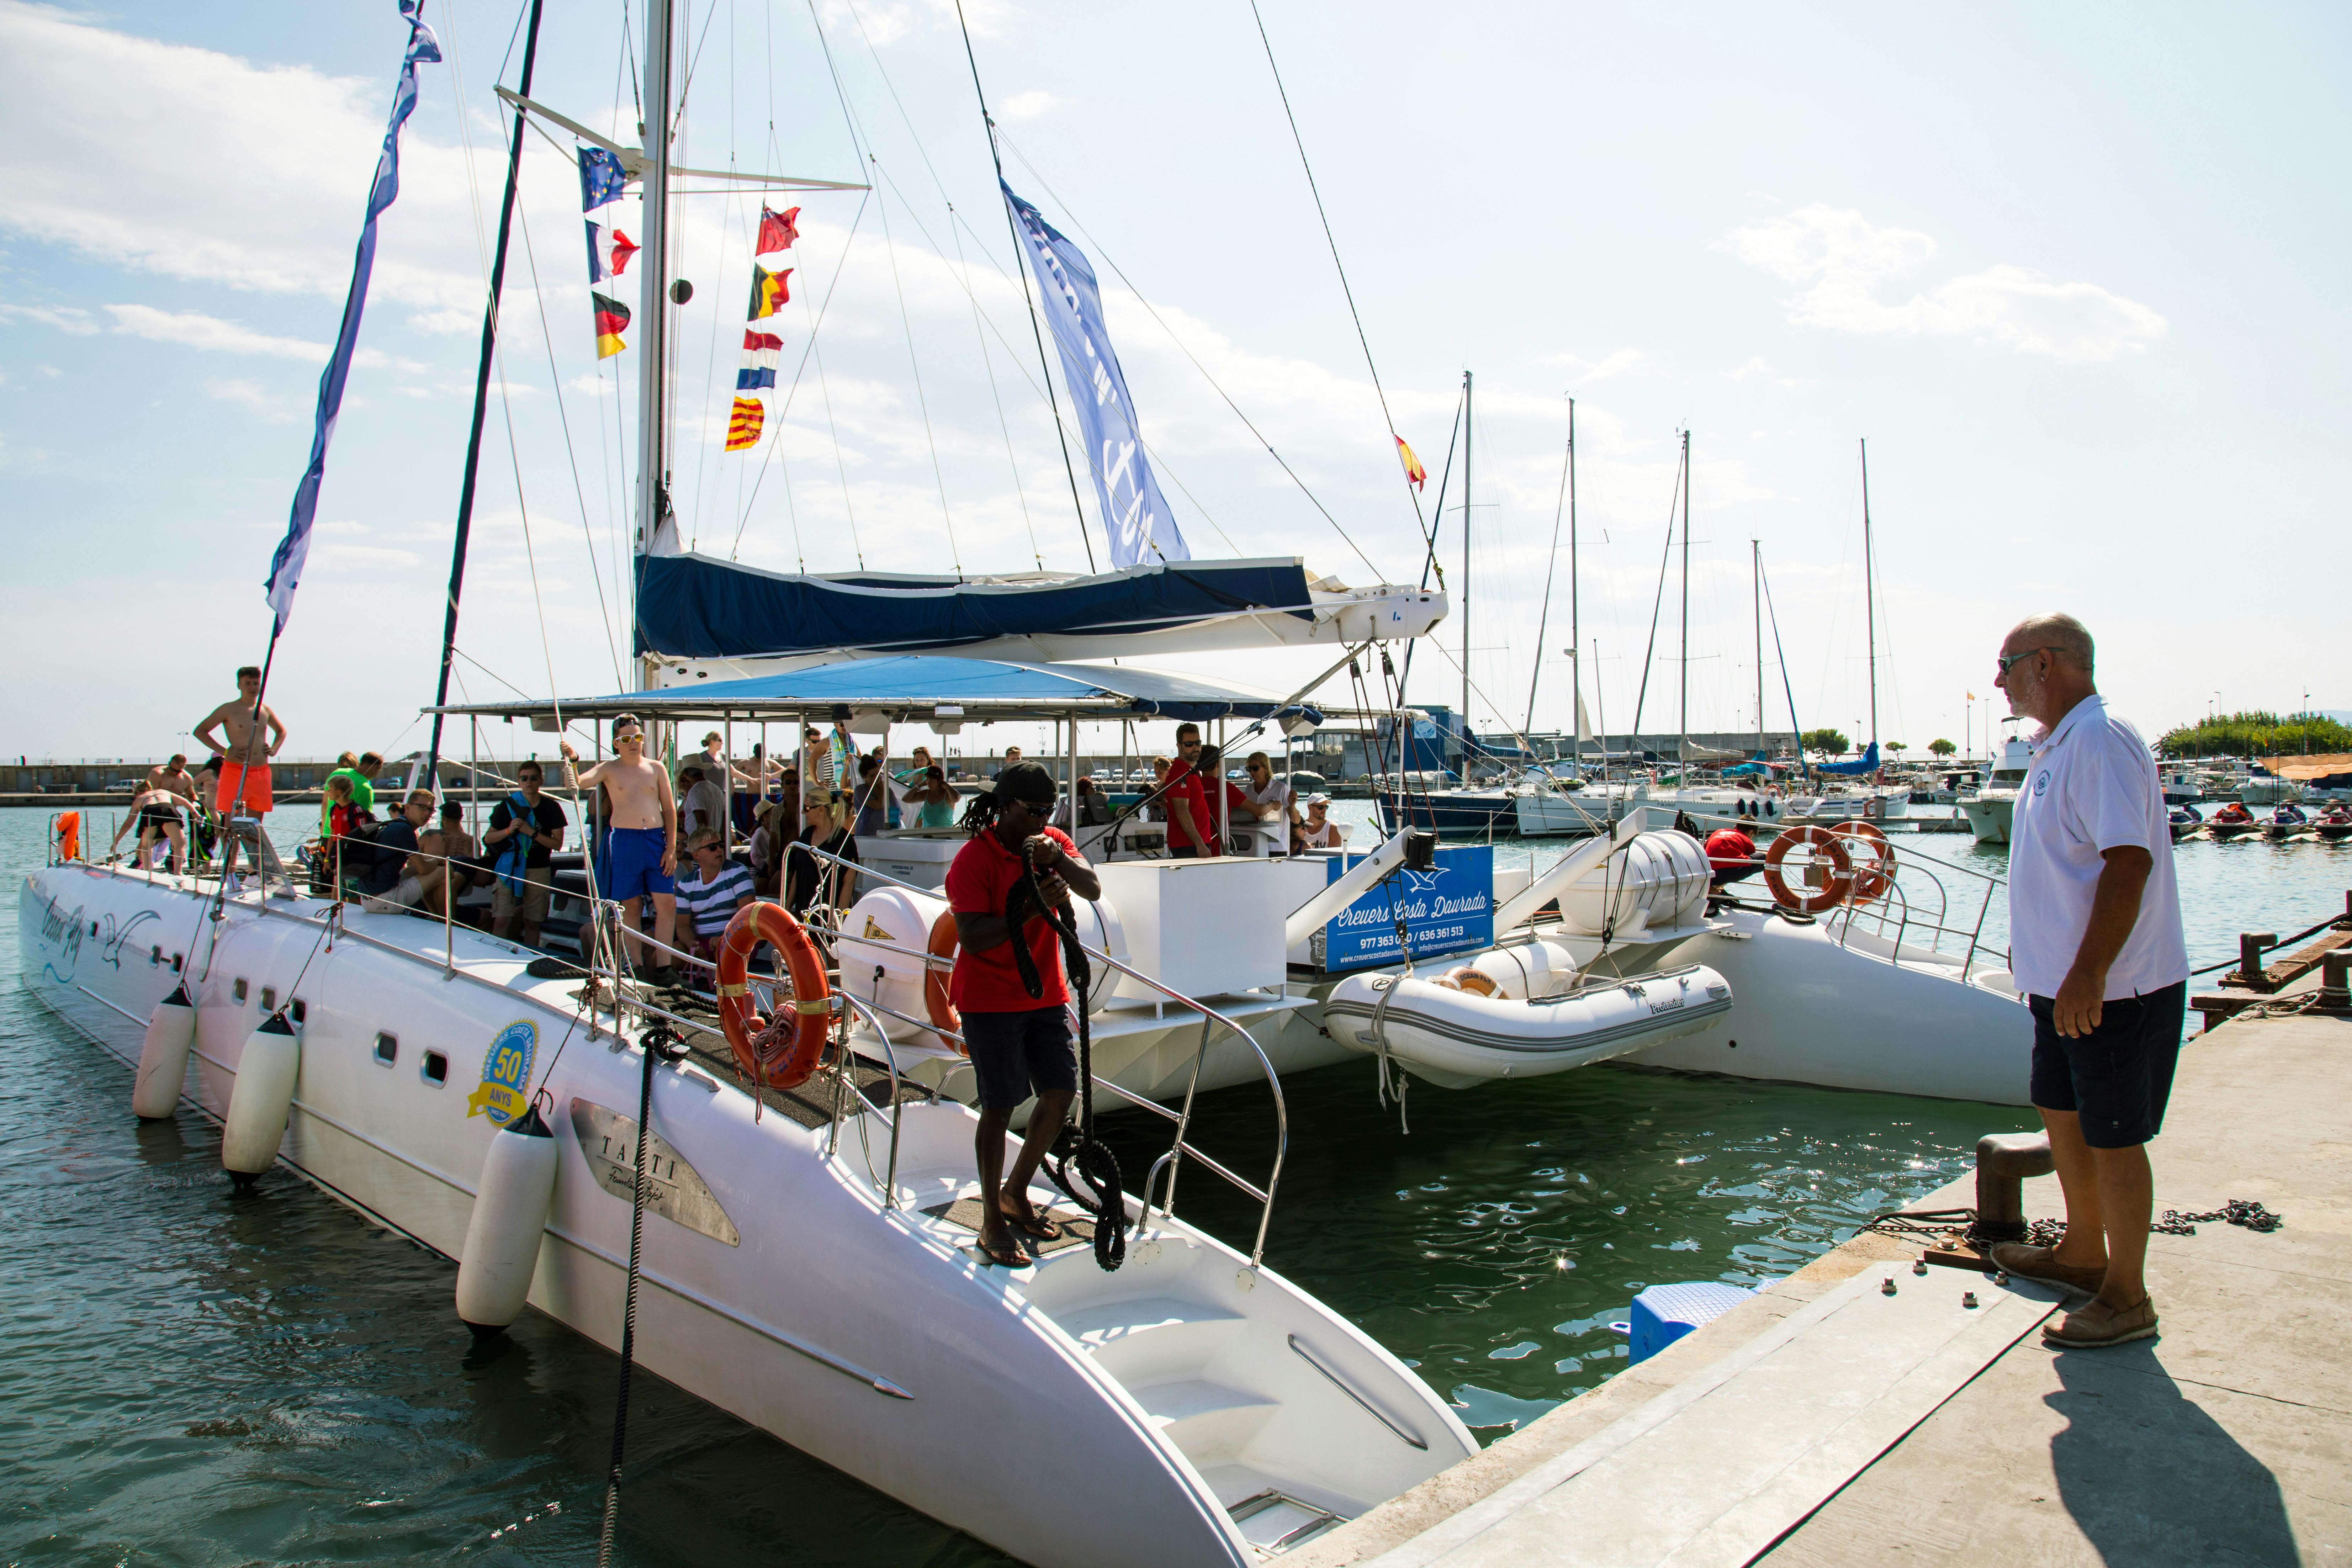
x=511, y=1207
x=163, y=1057
x=263, y=1098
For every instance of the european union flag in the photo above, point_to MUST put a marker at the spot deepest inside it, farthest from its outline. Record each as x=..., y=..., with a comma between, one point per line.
x=601, y=178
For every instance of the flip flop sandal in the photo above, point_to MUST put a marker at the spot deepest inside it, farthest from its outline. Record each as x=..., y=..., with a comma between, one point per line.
x=1004, y=1255
x=1037, y=1228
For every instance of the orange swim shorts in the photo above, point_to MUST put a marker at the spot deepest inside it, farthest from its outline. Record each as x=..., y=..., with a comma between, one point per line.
x=249, y=781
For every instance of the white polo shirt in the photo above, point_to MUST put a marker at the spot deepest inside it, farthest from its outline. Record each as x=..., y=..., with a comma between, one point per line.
x=2090, y=788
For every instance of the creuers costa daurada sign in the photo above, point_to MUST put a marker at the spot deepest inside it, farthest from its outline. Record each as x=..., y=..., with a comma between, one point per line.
x=1447, y=908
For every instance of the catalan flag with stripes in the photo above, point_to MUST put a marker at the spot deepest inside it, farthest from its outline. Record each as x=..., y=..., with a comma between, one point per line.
x=761, y=351
x=743, y=425
x=769, y=289
x=612, y=321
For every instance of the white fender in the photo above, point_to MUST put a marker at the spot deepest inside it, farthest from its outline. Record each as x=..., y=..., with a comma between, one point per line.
x=502, y=1238
x=163, y=1057
x=1098, y=928
x=264, y=1094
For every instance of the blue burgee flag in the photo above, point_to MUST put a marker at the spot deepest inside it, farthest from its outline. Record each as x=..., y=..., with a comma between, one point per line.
x=286, y=565
x=601, y=178
x=1142, y=528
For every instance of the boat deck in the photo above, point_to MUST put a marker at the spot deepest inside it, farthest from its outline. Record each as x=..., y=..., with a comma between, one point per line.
x=1823, y=1422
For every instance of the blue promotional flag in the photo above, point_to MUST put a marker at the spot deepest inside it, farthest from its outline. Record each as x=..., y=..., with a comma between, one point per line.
x=286, y=565
x=601, y=178
x=1142, y=528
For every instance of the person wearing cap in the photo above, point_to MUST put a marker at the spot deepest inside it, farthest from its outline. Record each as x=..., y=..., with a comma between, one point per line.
x=2096, y=947
x=641, y=853
x=1318, y=831
x=1019, y=1043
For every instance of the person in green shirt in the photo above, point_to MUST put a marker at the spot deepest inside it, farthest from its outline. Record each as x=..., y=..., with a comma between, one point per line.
x=362, y=770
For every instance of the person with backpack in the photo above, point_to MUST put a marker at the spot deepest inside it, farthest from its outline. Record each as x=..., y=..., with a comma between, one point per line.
x=526, y=829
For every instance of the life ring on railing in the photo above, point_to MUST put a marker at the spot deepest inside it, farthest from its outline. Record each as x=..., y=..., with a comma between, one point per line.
x=1875, y=806
x=942, y=944
x=1876, y=879
x=783, y=1051
x=1822, y=841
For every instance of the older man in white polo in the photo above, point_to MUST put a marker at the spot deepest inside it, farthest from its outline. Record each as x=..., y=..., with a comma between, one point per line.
x=2096, y=945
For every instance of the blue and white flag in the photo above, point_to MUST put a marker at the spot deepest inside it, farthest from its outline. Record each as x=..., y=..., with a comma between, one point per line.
x=1142, y=528
x=601, y=178
x=285, y=566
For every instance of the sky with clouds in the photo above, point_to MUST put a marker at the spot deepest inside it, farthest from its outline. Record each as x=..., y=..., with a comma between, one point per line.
x=2074, y=275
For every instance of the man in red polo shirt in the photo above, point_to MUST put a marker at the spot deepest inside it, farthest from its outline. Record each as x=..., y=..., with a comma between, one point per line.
x=1018, y=1043
x=1190, y=833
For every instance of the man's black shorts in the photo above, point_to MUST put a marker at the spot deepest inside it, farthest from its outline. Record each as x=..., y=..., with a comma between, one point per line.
x=2119, y=1076
x=1015, y=1054
x=1183, y=851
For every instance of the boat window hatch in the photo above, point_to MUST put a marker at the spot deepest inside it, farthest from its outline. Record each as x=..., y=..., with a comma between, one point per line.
x=270, y=999
x=387, y=1049
x=436, y=1068
x=238, y=990
x=300, y=1010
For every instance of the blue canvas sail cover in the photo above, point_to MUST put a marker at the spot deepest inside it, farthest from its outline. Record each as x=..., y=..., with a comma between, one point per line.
x=1866, y=763
x=693, y=607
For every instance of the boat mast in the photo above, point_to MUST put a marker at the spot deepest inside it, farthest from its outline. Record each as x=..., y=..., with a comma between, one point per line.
x=652, y=352
x=1575, y=626
x=1682, y=744
x=1467, y=428
x=1543, y=620
x=1869, y=595
x=1756, y=561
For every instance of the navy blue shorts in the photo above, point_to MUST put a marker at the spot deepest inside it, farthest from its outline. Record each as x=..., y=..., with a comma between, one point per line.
x=2119, y=1076
x=1016, y=1055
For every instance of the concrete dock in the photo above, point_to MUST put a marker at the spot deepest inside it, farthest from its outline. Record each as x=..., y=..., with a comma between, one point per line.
x=1827, y=1422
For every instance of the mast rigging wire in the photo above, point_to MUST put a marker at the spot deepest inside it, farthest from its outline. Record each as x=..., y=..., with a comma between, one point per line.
x=922, y=403
x=1658, y=604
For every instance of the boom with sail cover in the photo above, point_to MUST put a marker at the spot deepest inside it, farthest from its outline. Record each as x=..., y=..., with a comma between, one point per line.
x=1865, y=764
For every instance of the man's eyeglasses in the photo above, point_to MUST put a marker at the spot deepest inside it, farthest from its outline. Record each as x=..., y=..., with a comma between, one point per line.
x=2006, y=659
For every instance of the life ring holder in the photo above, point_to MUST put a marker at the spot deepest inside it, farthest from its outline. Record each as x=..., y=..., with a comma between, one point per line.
x=1875, y=880
x=943, y=1014
x=783, y=1051
x=1822, y=842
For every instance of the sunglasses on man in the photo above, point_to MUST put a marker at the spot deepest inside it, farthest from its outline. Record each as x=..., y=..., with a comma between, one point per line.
x=2006, y=659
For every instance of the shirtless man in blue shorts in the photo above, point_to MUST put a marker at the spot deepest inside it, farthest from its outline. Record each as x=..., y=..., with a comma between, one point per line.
x=643, y=857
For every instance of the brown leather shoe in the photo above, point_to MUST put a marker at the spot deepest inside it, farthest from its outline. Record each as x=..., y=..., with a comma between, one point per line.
x=2095, y=1324
x=2040, y=1265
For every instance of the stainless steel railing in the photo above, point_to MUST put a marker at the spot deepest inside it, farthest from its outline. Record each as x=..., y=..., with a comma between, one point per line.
x=1211, y=1022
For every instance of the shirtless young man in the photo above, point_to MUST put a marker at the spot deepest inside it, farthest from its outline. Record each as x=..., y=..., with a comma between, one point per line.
x=643, y=857
x=173, y=776
x=244, y=753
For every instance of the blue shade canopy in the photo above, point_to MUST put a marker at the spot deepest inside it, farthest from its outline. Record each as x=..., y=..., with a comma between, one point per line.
x=1865, y=764
x=693, y=607
x=917, y=688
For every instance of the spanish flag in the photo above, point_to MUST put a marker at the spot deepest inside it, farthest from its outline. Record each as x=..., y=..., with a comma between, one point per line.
x=743, y=425
x=1415, y=475
x=612, y=321
x=769, y=289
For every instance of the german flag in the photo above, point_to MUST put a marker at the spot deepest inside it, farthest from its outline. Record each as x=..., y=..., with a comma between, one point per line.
x=612, y=321
x=769, y=289
x=743, y=425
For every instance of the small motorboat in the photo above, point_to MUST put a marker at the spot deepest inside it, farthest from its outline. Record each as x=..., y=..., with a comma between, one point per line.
x=2185, y=821
x=2285, y=822
x=2334, y=825
x=1467, y=1027
x=2233, y=821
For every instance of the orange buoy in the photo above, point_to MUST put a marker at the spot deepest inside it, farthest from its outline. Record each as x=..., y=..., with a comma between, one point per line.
x=942, y=944
x=783, y=1051
x=1824, y=845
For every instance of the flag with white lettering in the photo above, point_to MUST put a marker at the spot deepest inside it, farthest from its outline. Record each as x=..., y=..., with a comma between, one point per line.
x=285, y=564
x=1141, y=528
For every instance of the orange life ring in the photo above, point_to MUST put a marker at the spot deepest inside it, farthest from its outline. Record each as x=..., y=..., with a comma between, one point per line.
x=1876, y=879
x=935, y=981
x=783, y=1051
x=1820, y=840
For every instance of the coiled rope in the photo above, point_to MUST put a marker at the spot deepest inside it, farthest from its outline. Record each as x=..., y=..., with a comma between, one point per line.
x=1090, y=1164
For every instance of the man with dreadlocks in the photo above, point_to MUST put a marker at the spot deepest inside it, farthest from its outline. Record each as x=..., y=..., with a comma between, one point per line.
x=1018, y=1039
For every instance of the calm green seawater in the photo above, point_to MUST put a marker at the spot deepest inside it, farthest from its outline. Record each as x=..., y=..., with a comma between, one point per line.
x=197, y=1377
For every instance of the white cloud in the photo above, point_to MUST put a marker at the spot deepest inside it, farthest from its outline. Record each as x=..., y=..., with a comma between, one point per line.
x=252, y=397
x=1586, y=371
x=189, y=163
x=65, y=318
x=210, y=333
x=1841, y=261
x=1035, y=104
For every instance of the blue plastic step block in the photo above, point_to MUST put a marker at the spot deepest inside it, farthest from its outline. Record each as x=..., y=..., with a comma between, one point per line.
x=1664, y=1314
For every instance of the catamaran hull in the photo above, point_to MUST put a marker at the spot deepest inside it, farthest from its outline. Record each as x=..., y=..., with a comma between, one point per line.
x=776, y=1284
x=1854, y=1014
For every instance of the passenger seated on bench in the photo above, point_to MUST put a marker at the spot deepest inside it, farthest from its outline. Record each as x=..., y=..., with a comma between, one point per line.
x=396, y=880
x=709, y=891
x=1320, y=832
